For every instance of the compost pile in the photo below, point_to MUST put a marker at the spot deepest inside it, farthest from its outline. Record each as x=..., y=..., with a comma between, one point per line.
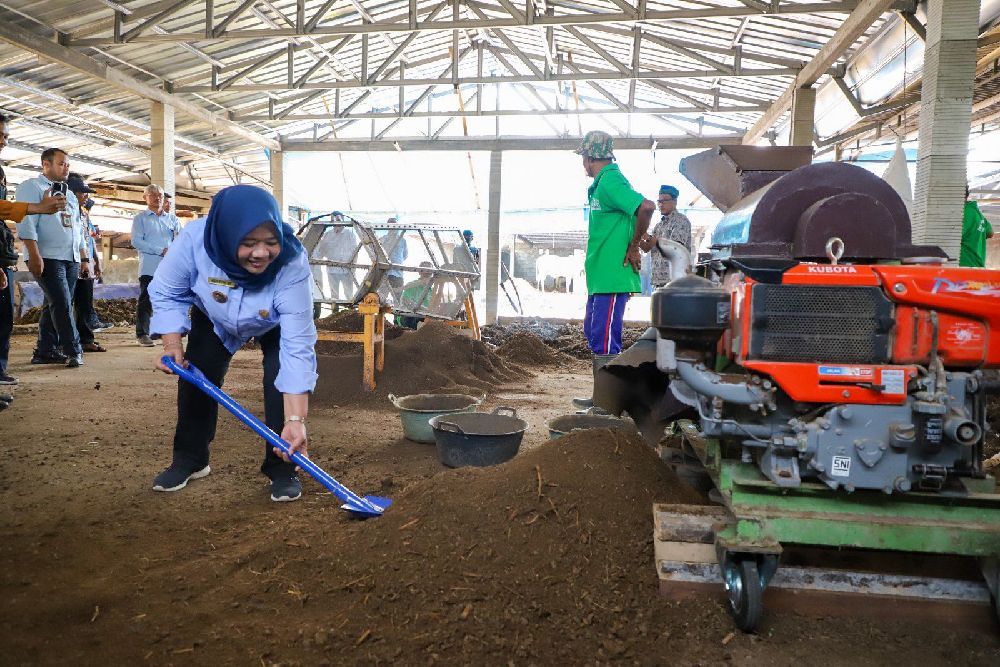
x=498, y=334
x=572, y=341
x=117, y=312
x=565, y=338
x=435, y=358
x=991, y=447
x=349, y=321
x=494, y=561
x=527, y=349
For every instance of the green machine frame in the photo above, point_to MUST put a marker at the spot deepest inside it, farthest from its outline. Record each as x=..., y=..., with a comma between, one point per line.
x=765, y=516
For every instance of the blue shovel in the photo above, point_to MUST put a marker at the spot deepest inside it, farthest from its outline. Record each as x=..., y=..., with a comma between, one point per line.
x=363, y=508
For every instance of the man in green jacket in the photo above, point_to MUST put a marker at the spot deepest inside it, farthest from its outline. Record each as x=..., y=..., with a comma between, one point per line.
x=619, y=218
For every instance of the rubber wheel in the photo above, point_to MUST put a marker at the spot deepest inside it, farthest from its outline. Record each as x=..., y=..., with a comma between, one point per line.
x=745, y=594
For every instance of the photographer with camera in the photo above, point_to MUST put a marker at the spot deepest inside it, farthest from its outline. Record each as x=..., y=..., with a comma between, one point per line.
x=57, y=255
x=14, y=211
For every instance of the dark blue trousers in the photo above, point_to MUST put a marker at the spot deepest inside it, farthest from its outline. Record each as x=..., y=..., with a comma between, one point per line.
x=602, y=323
x=6, y=318
x=57, y=327
x=197, y=413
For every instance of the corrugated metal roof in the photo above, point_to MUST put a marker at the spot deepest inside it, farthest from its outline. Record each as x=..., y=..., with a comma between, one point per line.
x=106, y=129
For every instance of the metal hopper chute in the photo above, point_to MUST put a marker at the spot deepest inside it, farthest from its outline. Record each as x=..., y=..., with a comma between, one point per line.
x=424, y=270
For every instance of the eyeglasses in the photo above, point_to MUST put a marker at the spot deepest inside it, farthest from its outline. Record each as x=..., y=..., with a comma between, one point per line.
x=665, y=201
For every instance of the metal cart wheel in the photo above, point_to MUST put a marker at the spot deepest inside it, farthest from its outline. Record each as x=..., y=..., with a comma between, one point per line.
x=745, y=592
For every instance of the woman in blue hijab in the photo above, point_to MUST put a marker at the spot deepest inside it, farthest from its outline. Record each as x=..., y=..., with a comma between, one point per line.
x=237, y=274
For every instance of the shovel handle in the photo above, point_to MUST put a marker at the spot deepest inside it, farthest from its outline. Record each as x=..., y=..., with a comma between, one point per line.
x=193, y=375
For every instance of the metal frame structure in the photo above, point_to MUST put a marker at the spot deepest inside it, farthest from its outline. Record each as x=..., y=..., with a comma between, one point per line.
x=764, y=516
x=247, y=75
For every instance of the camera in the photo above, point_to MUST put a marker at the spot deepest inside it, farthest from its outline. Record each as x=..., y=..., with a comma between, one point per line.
x=61, y=189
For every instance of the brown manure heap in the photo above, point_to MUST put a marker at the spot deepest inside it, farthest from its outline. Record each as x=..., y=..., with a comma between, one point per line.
x=433, y=359
x=478, y=563
x=118, y=312
x=348, y=321
x=529, y=350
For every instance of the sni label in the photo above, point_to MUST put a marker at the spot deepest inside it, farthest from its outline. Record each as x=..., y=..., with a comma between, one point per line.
x=841, y=466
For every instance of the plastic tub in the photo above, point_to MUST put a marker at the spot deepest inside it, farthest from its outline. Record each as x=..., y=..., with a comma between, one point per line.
x=417, y=410
x=478, y=438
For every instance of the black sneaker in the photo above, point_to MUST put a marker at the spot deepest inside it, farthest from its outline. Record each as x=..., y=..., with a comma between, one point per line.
x=53, y=357
x=145, y=341
x=7, y=379
x=100, y=326
x=286, y=489
x=177, y=476
x=74, y=361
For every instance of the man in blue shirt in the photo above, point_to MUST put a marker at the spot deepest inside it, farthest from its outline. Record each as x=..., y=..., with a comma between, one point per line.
x=83, y=295
x=153, y=230
x=57, y=255
x=395, y=244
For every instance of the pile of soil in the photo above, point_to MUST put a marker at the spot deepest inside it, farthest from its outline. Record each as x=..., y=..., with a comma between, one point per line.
x=349, y=321
x=498, y=334
x=571, y=340
x=434, y=359
x=991, y=446
x=117, y=312
x=527, y=349
x=495, y=561
x=565, y=338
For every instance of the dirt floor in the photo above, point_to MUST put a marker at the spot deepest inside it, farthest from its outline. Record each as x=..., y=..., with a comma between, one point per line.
x=547, y=559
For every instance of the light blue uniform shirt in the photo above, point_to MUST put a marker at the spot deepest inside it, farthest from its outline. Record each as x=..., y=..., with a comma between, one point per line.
x=151, y=233
x=54, y=240
x=188, y=277
x=89, y=230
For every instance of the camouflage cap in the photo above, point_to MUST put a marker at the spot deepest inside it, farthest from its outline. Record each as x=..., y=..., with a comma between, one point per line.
x=597, y=145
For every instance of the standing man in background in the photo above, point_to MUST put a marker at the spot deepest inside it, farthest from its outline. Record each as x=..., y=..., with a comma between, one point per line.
x=673, y=226
x=619, y=218
x=168, y=207
x=395, y=246
x=57, y=256
x=976, y=229
x=153, y=230
x=83, y=294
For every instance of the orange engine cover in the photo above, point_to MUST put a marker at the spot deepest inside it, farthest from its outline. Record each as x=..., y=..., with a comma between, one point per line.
x=895, y=334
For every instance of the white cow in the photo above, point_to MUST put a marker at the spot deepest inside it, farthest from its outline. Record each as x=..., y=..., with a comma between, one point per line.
x=570, y=269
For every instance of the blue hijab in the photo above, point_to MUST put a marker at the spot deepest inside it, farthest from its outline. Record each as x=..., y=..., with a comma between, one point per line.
x=236, y=211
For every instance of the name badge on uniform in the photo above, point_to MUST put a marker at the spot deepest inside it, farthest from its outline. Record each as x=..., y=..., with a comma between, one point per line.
x=222, y=282
x=219, y=296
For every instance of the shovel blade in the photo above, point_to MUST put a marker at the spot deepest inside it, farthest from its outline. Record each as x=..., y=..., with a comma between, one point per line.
x=362, y=512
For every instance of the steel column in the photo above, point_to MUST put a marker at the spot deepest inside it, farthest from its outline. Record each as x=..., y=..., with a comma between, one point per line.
x=492, y=250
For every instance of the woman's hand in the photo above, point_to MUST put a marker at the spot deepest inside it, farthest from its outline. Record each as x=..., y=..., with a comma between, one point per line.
x=173, y=348
x=3, y=279
x=647, y=242
x=294, y=434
